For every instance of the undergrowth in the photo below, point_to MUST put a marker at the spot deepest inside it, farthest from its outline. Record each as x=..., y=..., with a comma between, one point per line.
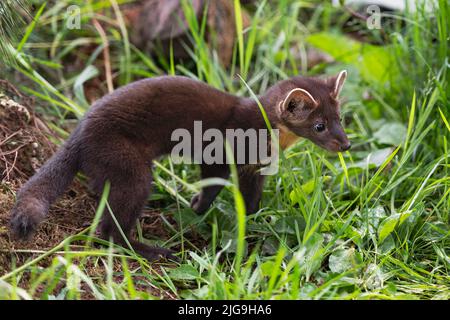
x=372, y=223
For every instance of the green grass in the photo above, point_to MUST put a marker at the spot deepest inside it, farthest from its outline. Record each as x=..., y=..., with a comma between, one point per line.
x=372, y=223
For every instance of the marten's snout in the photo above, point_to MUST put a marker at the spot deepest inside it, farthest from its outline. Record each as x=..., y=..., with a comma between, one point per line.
x=339, y=139
x=346, y=146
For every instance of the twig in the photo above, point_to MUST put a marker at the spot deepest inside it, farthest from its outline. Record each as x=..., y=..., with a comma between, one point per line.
x=9, y=137
x=362, y=17
x=356, y=14
x=106, y=56
x=12, y=166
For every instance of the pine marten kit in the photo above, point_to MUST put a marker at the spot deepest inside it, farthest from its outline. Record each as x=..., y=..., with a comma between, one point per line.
x=125, y=130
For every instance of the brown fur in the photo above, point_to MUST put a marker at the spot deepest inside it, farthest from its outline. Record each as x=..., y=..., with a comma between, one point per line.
x=124, y=131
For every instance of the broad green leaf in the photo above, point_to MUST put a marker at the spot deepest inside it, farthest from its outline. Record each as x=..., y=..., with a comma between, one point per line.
x=200, y=260
x=343, y=260
x=388, y=225
x=375, y=63
x=184, y=272
x=391, y=133
x=374, y=277
x=311, y=254
x=270, y=246
x=228, y=238
x=387, y=246
x=373, y=216
x=306, y=188
x=374, y=159
x=187, y=217
x=288, y=225
x=267, y=268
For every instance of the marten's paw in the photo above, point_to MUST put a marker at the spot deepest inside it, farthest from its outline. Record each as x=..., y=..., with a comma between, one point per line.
x=155, y=253
x=22, y=226
x=159, y=253
x=24, y=220
x=198, y=205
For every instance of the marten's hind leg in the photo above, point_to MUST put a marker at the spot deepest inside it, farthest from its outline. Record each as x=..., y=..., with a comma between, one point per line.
x=128, y=194
x=203, y=200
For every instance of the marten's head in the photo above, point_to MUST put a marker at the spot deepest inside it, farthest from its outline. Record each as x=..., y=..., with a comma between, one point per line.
x=309, y=108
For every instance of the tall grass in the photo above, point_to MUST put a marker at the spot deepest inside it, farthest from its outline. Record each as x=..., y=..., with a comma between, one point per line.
x=370, y=223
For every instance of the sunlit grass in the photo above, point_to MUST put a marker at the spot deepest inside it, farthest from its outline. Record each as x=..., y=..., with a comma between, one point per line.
x=372, y=223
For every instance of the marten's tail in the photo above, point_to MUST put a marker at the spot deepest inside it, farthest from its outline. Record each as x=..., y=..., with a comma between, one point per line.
x=36, y=196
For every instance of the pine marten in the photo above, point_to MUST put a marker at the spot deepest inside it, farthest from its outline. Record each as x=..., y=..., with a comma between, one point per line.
x=124, y=131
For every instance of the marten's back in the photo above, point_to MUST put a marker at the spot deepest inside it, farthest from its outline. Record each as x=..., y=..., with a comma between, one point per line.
x=146, y=112
x=160, y=104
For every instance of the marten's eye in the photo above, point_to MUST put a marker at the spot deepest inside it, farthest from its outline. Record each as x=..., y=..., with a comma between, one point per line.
x=319, y=127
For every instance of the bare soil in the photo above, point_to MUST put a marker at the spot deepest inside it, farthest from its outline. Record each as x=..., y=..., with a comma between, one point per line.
x=25, y=144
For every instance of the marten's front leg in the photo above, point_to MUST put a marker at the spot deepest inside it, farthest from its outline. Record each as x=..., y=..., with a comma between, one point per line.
x=203, y=200
x=128, y=195
x=251, y=184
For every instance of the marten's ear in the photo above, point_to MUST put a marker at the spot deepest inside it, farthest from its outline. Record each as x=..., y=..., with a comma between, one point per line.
x=338, y=83
x=297, y=101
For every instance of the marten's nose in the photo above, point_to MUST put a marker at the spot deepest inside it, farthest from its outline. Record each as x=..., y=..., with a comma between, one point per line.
x=346, y=146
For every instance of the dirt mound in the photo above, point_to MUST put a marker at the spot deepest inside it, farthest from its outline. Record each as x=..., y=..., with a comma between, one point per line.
x=25, y=144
